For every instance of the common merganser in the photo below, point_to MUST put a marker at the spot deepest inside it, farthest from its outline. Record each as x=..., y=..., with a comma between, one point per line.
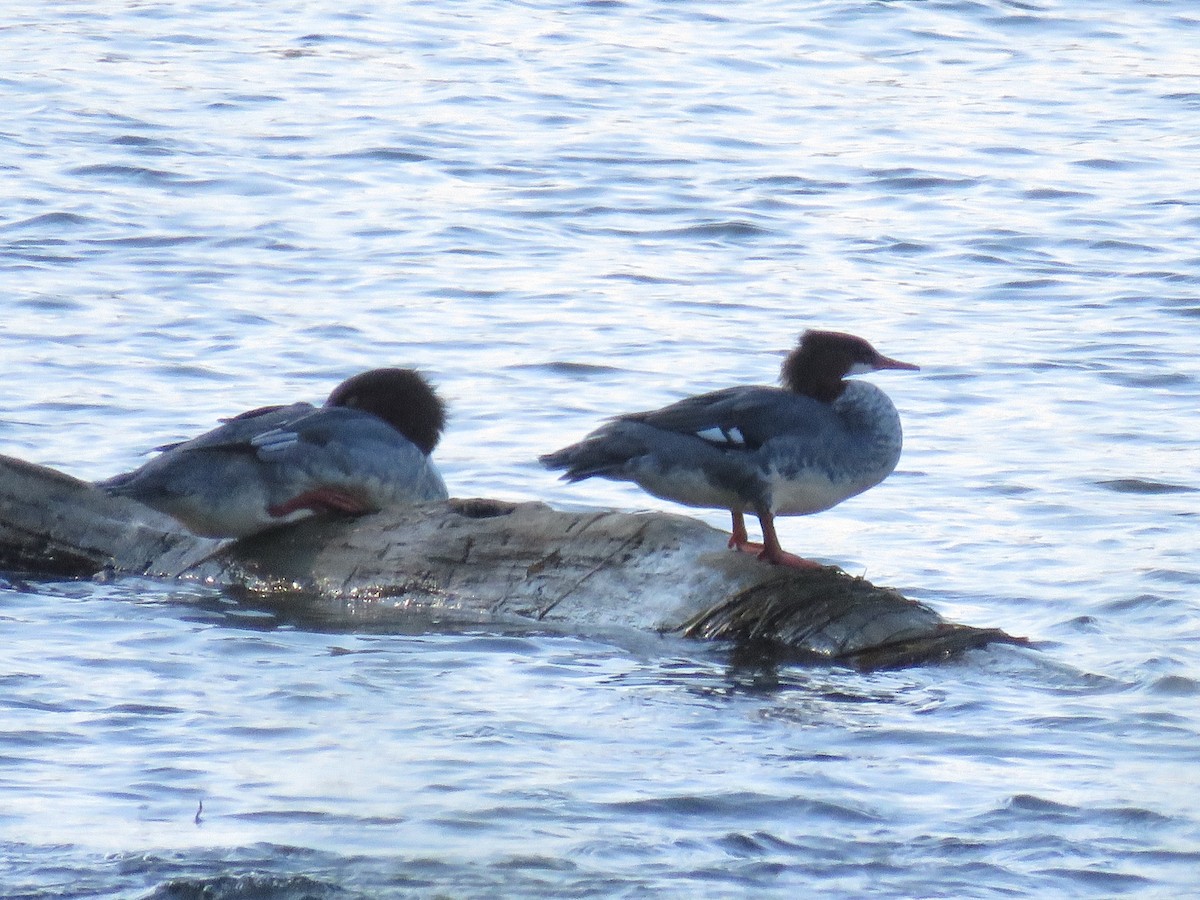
x=367, y=448
x=792, y=451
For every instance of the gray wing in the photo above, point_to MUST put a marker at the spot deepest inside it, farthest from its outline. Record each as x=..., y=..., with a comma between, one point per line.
x=345, y=447
x=720, y=433
x=240, y=432
x=172, y=470
x=740, y=418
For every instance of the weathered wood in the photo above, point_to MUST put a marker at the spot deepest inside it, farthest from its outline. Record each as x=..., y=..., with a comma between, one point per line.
x=481, y=561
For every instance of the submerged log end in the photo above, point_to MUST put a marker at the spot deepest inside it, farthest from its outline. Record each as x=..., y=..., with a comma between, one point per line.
x=829, y=615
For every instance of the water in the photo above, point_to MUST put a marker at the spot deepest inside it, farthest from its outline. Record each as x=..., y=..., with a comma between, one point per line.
x=561, y=212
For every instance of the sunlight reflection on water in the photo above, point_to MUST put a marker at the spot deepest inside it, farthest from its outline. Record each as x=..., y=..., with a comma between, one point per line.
x=565, y=215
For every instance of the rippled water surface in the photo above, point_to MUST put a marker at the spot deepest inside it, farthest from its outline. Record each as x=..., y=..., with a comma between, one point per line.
x=561, y=212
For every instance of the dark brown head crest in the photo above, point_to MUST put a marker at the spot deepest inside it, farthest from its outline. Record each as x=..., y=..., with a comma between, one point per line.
x=401, y=397
x=821, y=360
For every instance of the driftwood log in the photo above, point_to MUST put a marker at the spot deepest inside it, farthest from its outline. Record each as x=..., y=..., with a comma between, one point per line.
x=486, y=563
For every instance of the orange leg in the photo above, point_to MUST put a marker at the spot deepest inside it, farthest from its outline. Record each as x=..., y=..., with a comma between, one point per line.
x=739, y=539
x=773, y=553
x=323, y=499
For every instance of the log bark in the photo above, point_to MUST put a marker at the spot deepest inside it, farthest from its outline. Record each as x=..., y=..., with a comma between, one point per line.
x=483, y=562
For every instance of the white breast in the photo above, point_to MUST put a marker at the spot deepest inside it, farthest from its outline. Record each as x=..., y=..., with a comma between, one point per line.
x=808, y=493
x=859, y=455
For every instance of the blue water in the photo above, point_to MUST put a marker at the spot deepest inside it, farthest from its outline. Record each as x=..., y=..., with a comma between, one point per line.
x=561, y=212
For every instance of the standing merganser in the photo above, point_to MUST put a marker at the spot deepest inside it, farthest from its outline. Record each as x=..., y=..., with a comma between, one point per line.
x=368, y=447
x=792, y=451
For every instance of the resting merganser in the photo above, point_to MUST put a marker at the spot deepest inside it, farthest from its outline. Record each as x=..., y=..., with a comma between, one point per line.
x=790, y=452
x=367, y=448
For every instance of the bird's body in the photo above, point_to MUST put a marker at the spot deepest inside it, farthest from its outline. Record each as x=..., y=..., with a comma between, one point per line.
x=367, y=448
x=770, y=451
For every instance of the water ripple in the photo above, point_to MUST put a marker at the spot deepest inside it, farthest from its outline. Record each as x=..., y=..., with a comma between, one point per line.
x=564, y=213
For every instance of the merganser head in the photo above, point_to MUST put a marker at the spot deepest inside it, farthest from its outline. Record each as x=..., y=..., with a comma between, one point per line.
x=401, y=397
x=823, y=358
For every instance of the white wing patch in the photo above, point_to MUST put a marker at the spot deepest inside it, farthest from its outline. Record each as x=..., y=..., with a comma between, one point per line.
x=275, y=441
x=730, y=437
